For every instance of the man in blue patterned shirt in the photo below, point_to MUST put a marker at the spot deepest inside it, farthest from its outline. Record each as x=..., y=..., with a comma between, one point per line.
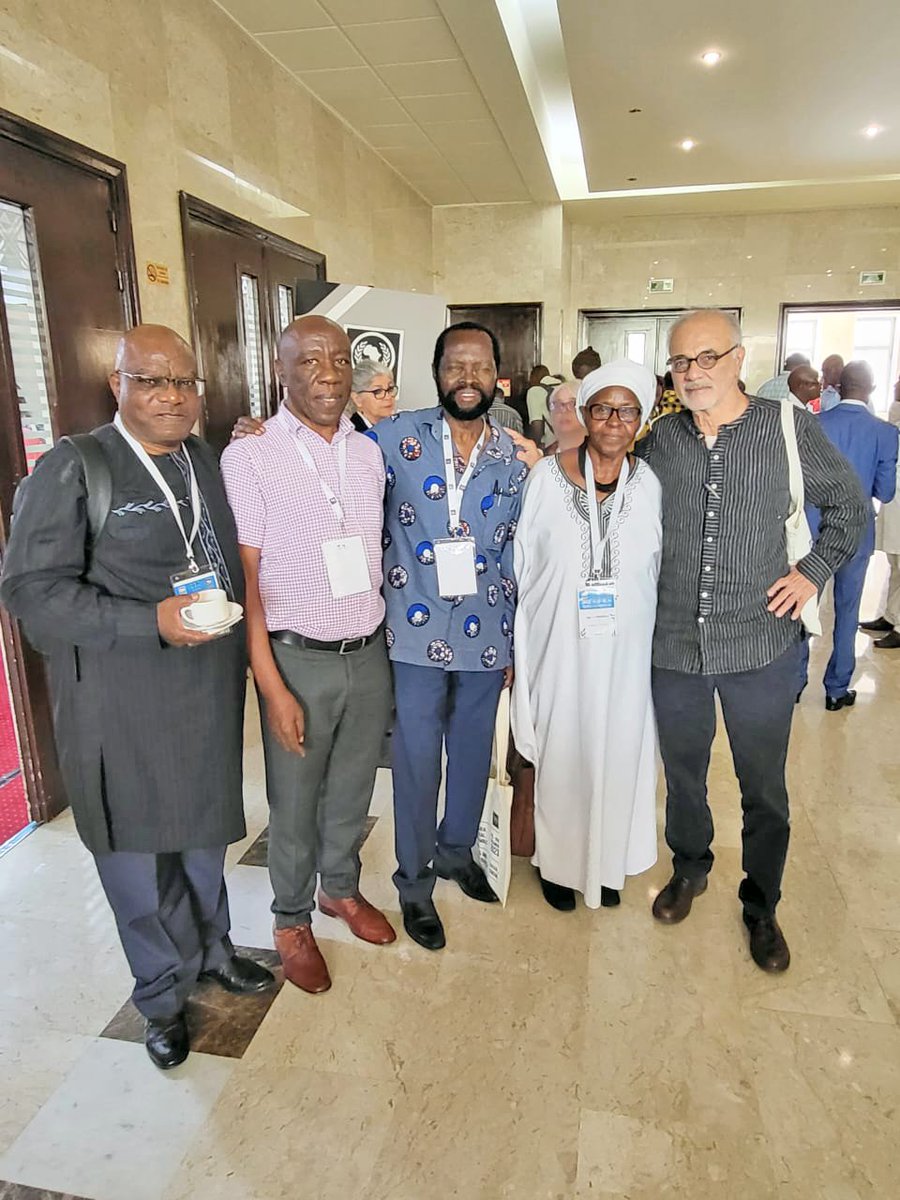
x=450, y=596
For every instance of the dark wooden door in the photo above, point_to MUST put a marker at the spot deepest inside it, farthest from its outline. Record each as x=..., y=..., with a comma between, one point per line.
x=67, y=284
x=518, y=329
x=242, y=282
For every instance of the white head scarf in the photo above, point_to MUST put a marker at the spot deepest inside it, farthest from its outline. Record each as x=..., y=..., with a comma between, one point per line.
x=621, y=373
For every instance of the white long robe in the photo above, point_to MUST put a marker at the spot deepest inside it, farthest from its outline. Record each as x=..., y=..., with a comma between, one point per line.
x=581, y=707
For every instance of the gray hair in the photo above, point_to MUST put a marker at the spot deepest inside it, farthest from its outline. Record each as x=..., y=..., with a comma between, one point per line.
x=732, y=321
x=560, y=387
x=365, y=372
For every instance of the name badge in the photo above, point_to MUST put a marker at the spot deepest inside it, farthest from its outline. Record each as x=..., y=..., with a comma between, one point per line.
x=347, y=566
x=597, y=609
x=455, y=562
x=188, y=582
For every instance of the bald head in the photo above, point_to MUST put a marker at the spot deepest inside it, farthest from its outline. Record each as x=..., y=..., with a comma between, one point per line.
x=156, y=387
x=708, y=331
x=831, y=370
x=145, y=342
x=314, y=365
x=803, y=382
x=857, y=382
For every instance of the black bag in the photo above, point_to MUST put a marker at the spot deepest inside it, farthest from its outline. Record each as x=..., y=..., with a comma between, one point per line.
x=97, y=483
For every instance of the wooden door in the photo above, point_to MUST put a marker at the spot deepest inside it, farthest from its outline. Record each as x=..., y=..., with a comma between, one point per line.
x=242, y=281
x=518, y=329
x=68, y=291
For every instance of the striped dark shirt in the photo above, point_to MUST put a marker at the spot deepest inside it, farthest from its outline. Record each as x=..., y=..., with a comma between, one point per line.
x=723, y=534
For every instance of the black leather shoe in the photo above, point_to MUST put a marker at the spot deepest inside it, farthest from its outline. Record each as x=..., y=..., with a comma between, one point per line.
x=609, y=897
x=472, y=880
x=879, y=625
x=558, y=897
x=674, y=902
x=422, y=923
x=767, y=945
x=890, y=641
x=836, y=703
x=167, y=1042
x=241, y=975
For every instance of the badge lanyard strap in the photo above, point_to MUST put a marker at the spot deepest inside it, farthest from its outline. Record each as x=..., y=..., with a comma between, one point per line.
x=455, y=489
x=598, y=544
x=157, y=476
x=334, y=502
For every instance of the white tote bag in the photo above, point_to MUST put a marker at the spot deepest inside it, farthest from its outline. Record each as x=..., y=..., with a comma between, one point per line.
x=798, y=538
x=492, y=850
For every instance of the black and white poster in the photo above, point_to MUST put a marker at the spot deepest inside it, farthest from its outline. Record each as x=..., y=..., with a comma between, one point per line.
x=382, y=347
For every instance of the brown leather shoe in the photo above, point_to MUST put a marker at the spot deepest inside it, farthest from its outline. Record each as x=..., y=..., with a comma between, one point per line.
x=674, y=902
x=362, y=918
x=301, y=958
x=767, y=945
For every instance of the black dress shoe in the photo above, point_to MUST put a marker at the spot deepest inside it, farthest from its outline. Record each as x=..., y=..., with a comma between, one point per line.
x=674, y=902
x=879, y=625
x=422, y=923
x=836, y=703
x=890, y=641
x=558, y=897
x=167, y=1042
x=472, y=880
x=609, y=897
x=767, y=945
x=241, y=975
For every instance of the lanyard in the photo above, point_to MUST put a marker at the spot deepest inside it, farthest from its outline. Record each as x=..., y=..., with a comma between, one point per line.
x=455, y=489
x=334, y=502
x=598, y=544
x=156, y=475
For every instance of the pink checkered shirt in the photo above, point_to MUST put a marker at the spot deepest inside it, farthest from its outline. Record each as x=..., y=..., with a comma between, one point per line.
x=280, y=509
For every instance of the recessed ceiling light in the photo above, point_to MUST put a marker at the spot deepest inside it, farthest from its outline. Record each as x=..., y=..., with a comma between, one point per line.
x=688, y=144
x=749, y=255
x=872, y=131
x=711, y=58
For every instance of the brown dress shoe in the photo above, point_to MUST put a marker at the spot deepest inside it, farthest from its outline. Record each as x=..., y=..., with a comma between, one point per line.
x=301, y=958
x=674, y=902
x=767, y=945
x=362, y=918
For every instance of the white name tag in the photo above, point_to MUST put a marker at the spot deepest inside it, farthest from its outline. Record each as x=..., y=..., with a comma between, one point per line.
x=455, y=562
x=348, y=570
x=597, y=609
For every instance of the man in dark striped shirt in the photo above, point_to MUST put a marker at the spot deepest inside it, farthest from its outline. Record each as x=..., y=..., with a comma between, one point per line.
x=729, y=609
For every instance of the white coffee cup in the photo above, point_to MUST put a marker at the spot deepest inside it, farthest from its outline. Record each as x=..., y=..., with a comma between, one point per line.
x=209, y=608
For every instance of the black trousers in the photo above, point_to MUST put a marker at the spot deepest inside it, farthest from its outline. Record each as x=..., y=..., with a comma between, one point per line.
x=172, y=914
x=758, y=707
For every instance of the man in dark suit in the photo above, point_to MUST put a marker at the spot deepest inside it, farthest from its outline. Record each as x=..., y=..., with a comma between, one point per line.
x=148, y=711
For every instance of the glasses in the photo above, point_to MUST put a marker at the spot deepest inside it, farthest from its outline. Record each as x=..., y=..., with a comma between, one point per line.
x=562, y=406
x=626, y=414
x=679, y=363
x=380, y=393
x=161, y=383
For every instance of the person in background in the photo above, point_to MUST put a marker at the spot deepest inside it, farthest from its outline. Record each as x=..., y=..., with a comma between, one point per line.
x=540, y=384
x=505, y=415
x=870, y=446
x=887, y=539
x=803, y=387
x=148, y=711
x=568, y=430
x=581, y=704
x=830, y=395
x=584, y=362
x=777, y=387
x=374, y=395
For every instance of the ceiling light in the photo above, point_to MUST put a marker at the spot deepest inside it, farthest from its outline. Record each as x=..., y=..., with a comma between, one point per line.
x=688, y=144
x=872, y=131
x=711, y=58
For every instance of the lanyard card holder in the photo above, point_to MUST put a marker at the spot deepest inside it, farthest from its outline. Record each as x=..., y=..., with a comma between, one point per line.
x=454, y=559
x=597, y=608
x=187, y=583
x=347, y=566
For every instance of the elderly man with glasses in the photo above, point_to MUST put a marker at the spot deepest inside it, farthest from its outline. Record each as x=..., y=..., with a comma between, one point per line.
x=729, y=608
x=114, y=537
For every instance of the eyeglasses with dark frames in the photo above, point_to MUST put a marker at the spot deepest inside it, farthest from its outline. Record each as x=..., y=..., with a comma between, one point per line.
x=379, y=393
x=627, y=414
x=679, y=363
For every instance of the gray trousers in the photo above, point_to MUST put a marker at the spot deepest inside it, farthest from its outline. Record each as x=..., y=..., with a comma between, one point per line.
x=318, y=803
x=172, y=914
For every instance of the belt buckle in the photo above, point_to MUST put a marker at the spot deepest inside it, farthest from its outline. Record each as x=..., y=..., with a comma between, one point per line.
x=347, y=643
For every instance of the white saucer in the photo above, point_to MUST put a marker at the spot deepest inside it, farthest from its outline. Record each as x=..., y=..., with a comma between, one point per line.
x=235, y=613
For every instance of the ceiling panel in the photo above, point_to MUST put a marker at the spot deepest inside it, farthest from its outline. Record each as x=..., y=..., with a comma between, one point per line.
x=349, y=12
x=386, y=42
x=263, y=16
x=360, y=113
x=352, y=84
x=459, y=135
x=428, y=78
x=395, y=137
x=459, y=106
x=312, y=49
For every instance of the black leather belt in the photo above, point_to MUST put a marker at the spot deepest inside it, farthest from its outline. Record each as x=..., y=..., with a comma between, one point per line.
x=346, y=646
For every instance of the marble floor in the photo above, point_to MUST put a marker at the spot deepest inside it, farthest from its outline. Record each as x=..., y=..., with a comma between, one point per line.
x=541, y=1055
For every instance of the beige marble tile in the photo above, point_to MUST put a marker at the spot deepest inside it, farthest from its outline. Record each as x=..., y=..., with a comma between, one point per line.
x=32, y=1065
x=883, y=949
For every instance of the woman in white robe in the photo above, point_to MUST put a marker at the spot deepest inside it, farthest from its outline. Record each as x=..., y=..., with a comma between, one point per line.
x=581, y=706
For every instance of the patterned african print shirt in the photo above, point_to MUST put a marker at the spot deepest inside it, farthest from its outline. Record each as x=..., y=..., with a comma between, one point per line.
x=466, y=633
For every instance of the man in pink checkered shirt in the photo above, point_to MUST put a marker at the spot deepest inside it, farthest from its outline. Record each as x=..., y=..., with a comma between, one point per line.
x=308, y=502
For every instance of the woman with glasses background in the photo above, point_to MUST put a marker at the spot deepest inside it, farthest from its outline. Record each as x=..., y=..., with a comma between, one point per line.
x=374, y=395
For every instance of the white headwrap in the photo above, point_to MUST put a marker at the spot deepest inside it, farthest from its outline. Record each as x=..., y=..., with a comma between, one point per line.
x=622, y=373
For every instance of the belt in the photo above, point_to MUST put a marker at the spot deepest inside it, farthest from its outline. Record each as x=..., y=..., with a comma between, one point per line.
x=345, y=646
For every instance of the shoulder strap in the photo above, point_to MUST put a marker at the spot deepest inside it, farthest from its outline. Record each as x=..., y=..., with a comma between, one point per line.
x=97, y=480
x=795, y=472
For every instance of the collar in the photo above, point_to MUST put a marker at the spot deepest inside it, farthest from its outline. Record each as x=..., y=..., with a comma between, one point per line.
x=856, y=403
x=501, y=446
x=296, y=428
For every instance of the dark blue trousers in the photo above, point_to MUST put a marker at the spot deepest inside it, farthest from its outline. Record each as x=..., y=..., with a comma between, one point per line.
x=434, y=707
x=172, y=914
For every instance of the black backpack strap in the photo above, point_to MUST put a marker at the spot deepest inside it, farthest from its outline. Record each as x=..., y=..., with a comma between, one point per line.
x=97, y=481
